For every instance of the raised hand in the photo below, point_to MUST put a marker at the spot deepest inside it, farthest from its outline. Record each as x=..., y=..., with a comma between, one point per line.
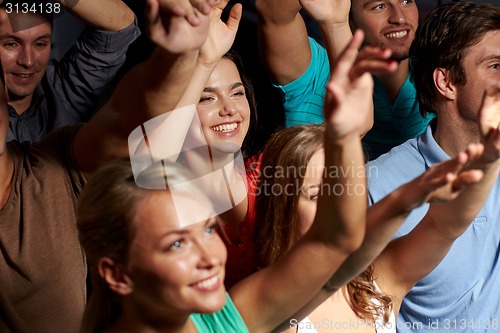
x=173, y=32
x=220, y=35
x=348, y=102
x=327, y=11
x=189, y=8
x=489, y=123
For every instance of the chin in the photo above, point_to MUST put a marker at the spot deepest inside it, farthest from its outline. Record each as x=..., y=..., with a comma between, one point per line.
x=224, y=147
x=213, y=303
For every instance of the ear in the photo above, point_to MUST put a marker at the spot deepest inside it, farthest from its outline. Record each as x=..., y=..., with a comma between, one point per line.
x=443, y=84
x=115, y=276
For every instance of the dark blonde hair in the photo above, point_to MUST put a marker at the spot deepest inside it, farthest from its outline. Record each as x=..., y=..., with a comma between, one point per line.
x=106, y=213
x=106, y=210
x=284, y=161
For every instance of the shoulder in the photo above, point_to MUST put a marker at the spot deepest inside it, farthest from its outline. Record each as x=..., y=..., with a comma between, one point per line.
x=400, y=165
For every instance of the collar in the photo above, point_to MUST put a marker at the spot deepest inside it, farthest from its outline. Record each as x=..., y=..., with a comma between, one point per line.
x=38, y=96
x=430, y=150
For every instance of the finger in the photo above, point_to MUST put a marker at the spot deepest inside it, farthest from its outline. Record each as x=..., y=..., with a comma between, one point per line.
x=221, y=4
x=348, y=57
x=334, y=96
x=374, y=66
x=466, y=179
x=374, y=52
x=202, y=5
x=474, y=152
x=489, y=113
x=234, y=18
x=153, y=17
x=175, y=7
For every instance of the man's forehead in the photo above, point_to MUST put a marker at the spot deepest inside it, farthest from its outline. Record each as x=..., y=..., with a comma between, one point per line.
x=23, y=21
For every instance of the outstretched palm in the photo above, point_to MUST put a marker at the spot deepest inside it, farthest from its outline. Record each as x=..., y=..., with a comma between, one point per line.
x=220, y=35
x=348, y=103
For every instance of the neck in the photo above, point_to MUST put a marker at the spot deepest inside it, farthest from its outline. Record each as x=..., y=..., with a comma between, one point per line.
x=453, y=133
x=6, y=175
x=22, y=104
x=138, y=320
x=393, y=82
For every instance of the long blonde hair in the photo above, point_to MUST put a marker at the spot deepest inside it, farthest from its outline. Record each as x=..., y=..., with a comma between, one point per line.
x=277, y=223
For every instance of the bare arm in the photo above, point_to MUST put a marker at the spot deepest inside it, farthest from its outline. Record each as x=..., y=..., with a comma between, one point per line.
x=283, y=39
x=442, y=182
x=333, y=20
x=271, y=295
x=109, y=15
x=332, y=17
x=150, y=89
x=220, y=39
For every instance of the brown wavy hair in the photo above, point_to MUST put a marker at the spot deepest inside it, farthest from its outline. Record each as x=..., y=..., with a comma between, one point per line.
x=442, y=41
x=277, y=224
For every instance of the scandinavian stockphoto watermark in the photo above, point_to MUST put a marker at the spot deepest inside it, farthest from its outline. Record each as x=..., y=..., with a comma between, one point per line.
x=175, y=141
x=214, y=171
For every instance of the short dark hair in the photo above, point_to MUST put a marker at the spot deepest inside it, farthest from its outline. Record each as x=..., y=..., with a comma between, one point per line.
x=441, y=42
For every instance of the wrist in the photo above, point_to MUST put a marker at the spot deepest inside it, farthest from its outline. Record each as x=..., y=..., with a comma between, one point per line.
x=335, y=25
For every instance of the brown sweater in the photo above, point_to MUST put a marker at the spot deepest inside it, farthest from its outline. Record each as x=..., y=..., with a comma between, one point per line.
x=42, y=267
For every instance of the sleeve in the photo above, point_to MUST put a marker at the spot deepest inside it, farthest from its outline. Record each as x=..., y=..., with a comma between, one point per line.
x=303, y=98
x=86, y=70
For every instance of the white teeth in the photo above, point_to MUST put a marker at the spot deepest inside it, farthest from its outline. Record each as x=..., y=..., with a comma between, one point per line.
x=399, y=34
x=225, y=128
x=23, y=75
x=208, y=283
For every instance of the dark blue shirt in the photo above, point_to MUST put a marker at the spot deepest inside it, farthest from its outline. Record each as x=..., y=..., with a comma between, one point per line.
x=70, y=90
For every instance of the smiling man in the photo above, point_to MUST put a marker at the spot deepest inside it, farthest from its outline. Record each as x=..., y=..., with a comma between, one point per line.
x=44, y=94
x=301, y=67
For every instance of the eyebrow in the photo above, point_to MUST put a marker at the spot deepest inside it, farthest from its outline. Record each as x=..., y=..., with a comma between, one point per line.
x=488, y=58
x=233, y=86
x=11, y=36
x=184, y=231
x=369, y=2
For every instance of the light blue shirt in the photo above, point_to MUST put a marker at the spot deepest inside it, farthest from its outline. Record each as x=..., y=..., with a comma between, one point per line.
x=463, y=293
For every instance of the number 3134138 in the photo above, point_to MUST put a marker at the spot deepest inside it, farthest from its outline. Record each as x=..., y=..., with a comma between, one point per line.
x=34, y=8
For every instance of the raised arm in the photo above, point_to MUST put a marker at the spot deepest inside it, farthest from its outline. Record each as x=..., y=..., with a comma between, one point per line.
x=150, y=89
x=441, y=182
x=283, y=39
x=109, y=15
x=406, y=261
x=332, y=17
x=269, y=296
x=220, y=39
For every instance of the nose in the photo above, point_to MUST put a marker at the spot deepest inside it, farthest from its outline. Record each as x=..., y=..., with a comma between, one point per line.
x=397, y=15
x=208, y=258
x=228, y=108
x=25, y=57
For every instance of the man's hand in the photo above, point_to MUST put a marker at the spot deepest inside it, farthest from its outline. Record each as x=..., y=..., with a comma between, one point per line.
x=328, y=11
